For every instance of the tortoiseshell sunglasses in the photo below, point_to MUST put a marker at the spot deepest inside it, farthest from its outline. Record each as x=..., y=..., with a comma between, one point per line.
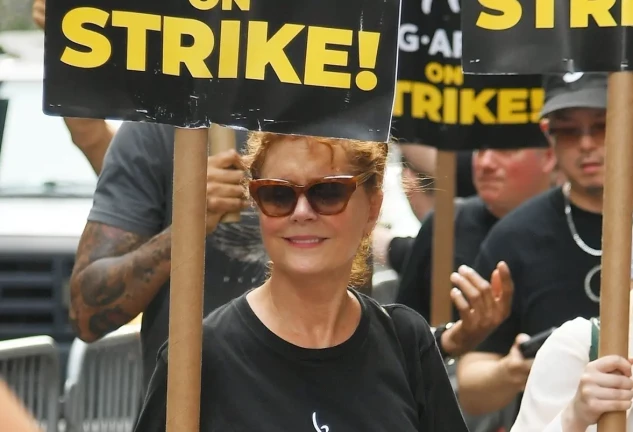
x=327, y=196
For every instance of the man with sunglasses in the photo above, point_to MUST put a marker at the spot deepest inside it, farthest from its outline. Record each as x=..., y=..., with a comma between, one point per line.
x=552, y=245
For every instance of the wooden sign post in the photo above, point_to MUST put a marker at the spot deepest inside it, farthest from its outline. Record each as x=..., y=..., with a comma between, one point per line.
x=616, y=231
x=187, y=274
x=191, y=150
x=443, y=238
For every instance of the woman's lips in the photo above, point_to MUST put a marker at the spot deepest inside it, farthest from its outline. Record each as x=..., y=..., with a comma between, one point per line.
x=305, y=241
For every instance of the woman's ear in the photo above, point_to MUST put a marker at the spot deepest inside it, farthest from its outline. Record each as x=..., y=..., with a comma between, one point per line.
x=375, y=205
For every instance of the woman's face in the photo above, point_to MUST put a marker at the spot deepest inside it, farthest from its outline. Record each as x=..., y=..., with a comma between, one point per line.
x=306, y=242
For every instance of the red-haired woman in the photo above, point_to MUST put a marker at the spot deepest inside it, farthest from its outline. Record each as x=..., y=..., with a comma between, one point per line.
x=305, y=351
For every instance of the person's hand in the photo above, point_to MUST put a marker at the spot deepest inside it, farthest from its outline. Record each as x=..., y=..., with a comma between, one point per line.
x=225, y=191
x=605, y=386
x=482, y=306
x=516, y=368
x=38, y=13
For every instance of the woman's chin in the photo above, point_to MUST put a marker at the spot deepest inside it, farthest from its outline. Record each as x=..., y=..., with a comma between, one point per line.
x=303, y=268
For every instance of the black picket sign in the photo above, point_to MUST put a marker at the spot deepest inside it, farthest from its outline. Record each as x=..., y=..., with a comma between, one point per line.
x=325, y=68
x=552, y=36
x=437, y=105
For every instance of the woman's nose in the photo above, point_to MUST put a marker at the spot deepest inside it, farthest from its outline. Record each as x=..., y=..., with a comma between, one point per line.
x=303, y=210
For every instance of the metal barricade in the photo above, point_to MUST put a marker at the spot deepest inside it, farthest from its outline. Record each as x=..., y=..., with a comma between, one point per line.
x=103, y=387
x=30, y=367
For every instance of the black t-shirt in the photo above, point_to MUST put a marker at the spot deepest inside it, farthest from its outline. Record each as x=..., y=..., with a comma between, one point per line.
x=388, y=376
x=547, y=266
x=399, y=249
x=473, y=221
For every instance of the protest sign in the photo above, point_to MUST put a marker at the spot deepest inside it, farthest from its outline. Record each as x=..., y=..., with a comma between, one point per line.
x=547, y=36
x=322, y=68
x=437, y=105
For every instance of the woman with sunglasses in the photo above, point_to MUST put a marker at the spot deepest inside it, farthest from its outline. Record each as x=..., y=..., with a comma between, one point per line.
x=305, y=351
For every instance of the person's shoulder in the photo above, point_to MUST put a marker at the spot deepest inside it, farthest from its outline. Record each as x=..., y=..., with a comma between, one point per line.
x=135, y=136
x=473, y=201
x=408, y=323
x=466, y=208
x=221, y=318
x=460, y=204
x=536, y=208
x=529, y=215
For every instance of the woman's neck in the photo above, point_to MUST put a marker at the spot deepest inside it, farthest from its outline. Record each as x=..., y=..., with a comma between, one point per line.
x=311, y=315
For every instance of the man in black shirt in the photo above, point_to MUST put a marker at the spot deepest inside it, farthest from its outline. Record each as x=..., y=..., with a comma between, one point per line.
x=503, y=179
x=551, y=244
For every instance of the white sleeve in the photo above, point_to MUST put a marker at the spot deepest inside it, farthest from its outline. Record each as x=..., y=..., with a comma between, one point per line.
x=554, y=377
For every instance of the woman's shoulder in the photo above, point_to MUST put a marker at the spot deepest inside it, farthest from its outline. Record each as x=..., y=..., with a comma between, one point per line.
x=408, y=323
x=225, y=317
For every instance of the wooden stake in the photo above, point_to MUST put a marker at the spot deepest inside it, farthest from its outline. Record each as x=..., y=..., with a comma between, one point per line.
x=187, y=280
x=616, y=230
x=443, y=238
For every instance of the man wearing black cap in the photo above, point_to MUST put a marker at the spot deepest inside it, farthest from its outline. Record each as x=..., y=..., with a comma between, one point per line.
x=551, y=243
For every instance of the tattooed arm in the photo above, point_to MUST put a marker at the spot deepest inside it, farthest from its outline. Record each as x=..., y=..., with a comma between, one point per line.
x=116, y=276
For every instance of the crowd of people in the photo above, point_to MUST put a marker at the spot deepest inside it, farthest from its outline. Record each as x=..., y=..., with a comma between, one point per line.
x=286, y=324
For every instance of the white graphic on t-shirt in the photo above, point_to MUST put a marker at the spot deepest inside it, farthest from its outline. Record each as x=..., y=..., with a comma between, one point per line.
x=324, y=428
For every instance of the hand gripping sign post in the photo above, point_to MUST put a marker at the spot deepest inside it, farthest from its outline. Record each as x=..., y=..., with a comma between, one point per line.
x=556, y=36
x=437, y=105
x=324, y=68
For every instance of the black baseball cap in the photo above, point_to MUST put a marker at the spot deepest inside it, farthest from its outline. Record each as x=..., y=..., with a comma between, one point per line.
x=574, y=90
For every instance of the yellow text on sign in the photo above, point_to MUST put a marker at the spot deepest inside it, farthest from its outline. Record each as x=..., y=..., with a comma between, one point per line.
x=454, y=105
x=508, y=13
x=262, y=49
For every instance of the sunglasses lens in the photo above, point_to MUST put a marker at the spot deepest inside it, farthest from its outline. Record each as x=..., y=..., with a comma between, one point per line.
x=276, y=200
x=328, y=198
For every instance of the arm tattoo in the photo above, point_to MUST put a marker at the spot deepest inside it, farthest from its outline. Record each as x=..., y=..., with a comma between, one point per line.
x=101, y=287
x=116, y=275
x=99, y=290
x=143, y=271
x=108, y=320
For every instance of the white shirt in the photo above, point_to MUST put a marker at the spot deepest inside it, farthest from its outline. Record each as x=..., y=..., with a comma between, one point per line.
x=554, y=378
